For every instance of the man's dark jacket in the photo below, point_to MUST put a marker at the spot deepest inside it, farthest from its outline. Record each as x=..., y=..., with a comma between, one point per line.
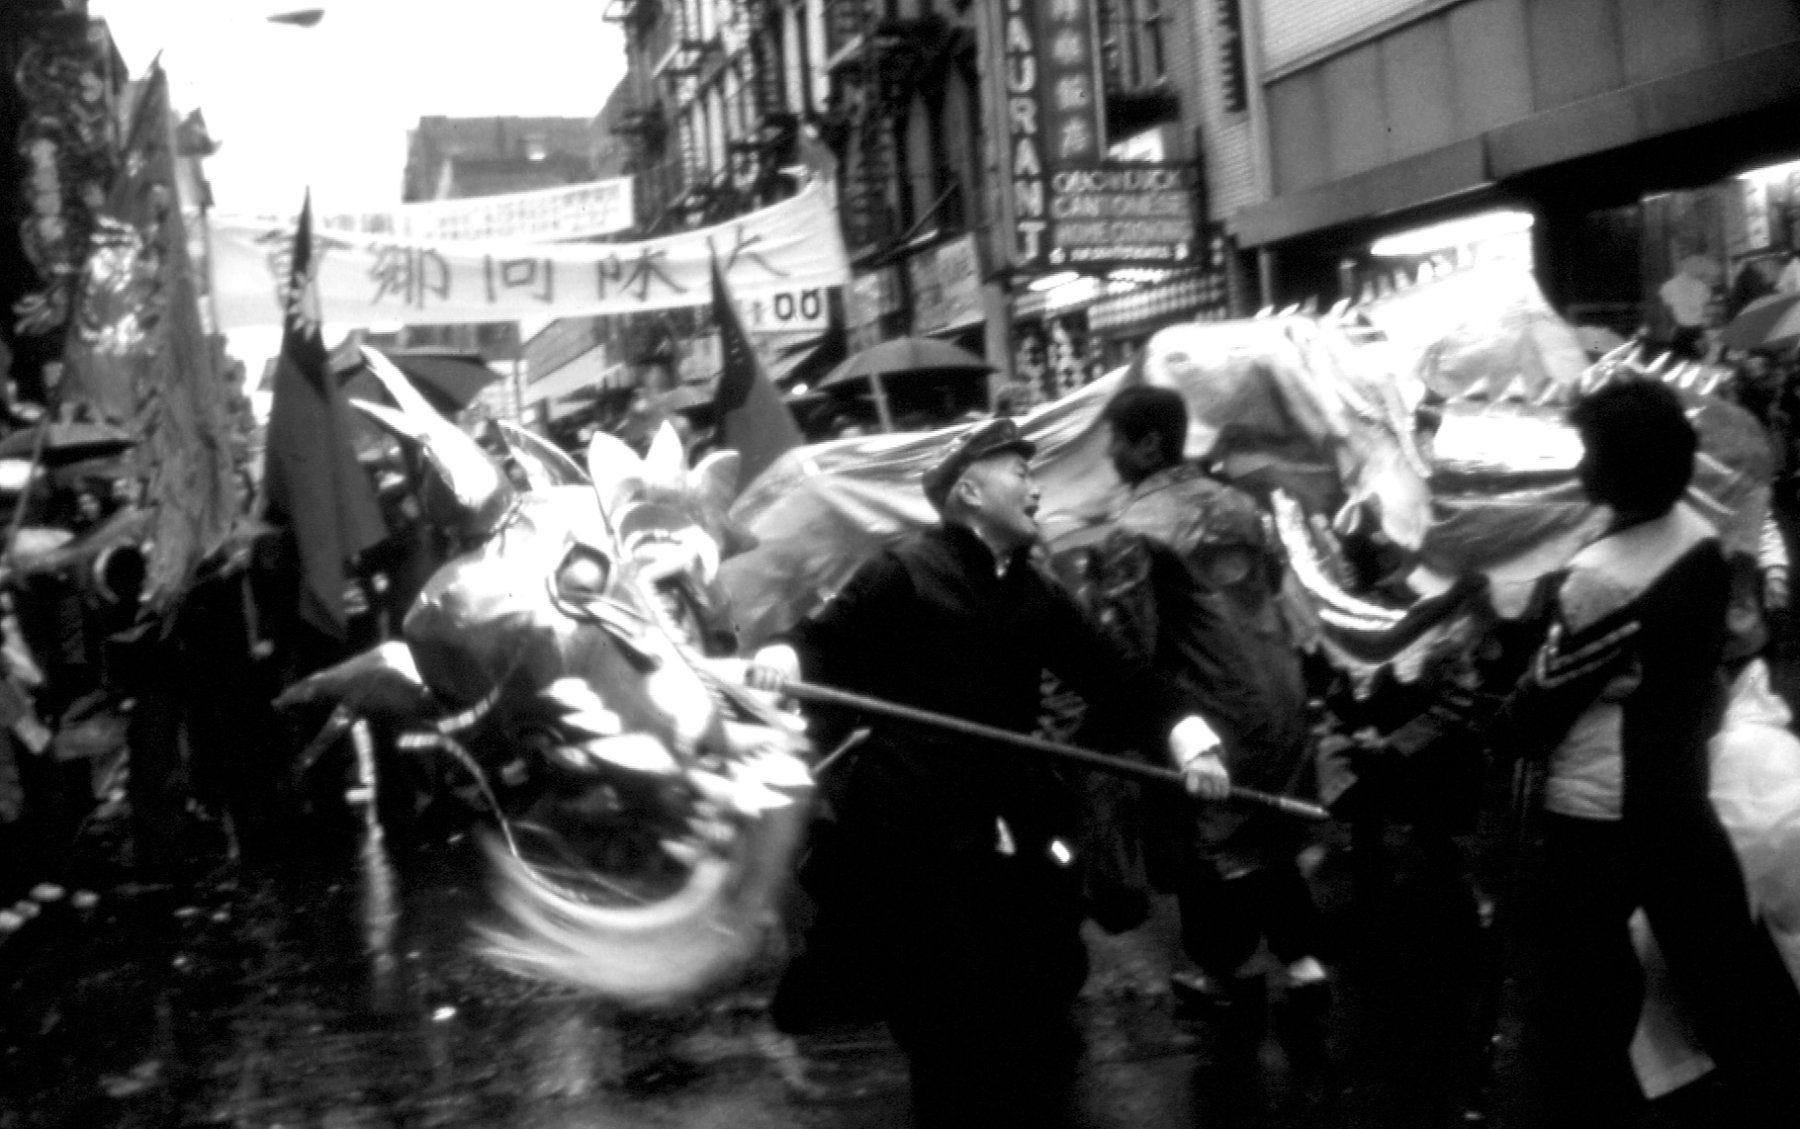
x=932, y=623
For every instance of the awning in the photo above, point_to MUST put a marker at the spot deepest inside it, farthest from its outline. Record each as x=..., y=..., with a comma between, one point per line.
x=585, y=375
x=1029, y=305
x=1184, y=293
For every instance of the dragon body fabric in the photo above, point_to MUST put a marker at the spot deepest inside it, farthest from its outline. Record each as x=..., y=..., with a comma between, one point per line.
x=1433, y=428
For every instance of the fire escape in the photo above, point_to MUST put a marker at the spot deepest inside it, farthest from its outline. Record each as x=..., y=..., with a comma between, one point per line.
x=758, y=157
x=646, y=126
x=875, y=62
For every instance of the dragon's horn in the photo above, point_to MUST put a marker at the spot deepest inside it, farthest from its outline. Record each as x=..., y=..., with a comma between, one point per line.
x=480, y=493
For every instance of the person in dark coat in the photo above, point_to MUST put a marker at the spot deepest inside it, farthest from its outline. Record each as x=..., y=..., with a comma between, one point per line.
x=1621, y=701
x=950, y=867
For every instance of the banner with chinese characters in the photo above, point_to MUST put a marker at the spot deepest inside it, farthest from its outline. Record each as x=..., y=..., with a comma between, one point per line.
x=371, y=280
x=1052, y=111
x=576, y=211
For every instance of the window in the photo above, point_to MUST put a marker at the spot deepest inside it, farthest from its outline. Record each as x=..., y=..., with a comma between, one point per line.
x=960, y=151
x=921, y=165
x=1133, y=43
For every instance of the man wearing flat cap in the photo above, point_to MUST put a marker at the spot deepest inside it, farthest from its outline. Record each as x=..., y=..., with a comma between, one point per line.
x=952, y=869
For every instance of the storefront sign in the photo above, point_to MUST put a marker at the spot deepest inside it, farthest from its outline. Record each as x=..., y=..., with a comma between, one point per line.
x=872, y=297
x=1024, y=135
x=1124, y=215
x=1199, y=293
x=1071, y=108
x=783, y=311
x=946, y=286
x=370, y=280
x=1234, y=83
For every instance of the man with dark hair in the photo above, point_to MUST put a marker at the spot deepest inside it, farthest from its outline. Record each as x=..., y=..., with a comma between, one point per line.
x=1212, y=572
x=951, y=863
x=1621, y=701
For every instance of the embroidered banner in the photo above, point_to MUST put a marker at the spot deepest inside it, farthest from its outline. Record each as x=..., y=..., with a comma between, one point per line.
x=372, y=280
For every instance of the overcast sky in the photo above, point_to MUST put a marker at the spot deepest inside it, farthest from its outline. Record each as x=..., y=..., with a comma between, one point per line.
x=329, y=106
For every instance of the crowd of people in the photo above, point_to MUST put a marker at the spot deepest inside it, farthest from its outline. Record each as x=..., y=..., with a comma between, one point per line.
x=939, y=865
x=161, y=711
x=951, y=884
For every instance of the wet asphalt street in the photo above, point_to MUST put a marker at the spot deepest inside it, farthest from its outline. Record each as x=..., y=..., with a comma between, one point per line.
x=346, y=994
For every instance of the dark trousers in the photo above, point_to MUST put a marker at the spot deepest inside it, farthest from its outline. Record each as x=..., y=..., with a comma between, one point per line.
x=982, y=1067
x=1730, y=979
x=156, y=781
x=971, y=958
x=1224, y=920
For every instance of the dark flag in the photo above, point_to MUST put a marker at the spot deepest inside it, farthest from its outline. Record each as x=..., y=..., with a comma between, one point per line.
x=315, y=487
x=751, y=417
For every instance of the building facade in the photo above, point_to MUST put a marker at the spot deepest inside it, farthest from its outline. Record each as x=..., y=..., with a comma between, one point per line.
x=909, y=102
x=1630, y=132
x=457, y=158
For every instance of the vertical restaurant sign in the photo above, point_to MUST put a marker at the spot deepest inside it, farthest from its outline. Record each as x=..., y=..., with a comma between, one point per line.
x=1052, y=108
x=1234, y=79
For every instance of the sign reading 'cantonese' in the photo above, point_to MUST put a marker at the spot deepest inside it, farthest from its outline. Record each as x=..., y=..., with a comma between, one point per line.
x=1123, y=215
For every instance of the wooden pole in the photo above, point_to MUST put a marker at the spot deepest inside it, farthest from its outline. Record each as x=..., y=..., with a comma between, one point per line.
x=883, y=414
x=38, y=442
x=1118, y=766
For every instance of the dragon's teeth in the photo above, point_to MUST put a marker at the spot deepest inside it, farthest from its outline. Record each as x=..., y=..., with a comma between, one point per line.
x=684, y=851
x=599, y=721
x=635, y=752
x=574, y=694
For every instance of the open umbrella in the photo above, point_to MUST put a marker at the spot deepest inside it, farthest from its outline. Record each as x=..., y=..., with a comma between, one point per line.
x=1772, y=322
x=449, y=379
x=903, y=356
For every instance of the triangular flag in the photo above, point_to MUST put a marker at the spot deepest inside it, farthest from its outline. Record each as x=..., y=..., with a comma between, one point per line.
x=752, y=419
x=315, y=486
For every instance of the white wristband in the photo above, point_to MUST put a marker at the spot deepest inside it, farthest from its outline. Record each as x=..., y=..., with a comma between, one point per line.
x=1192, y=739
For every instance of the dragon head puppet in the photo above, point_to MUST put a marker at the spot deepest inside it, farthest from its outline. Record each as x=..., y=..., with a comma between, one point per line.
x=572, y=657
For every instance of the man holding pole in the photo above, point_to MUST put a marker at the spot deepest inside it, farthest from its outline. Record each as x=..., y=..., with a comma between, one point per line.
x=950, y=866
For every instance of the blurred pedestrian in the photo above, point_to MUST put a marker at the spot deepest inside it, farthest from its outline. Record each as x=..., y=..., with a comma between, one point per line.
x=950, y=865
x=1621, y=701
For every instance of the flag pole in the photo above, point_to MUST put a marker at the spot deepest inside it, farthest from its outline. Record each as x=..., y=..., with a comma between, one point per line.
x=1087, y=758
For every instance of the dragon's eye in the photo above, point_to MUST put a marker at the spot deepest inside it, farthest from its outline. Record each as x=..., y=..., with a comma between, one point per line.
x=583, y=573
